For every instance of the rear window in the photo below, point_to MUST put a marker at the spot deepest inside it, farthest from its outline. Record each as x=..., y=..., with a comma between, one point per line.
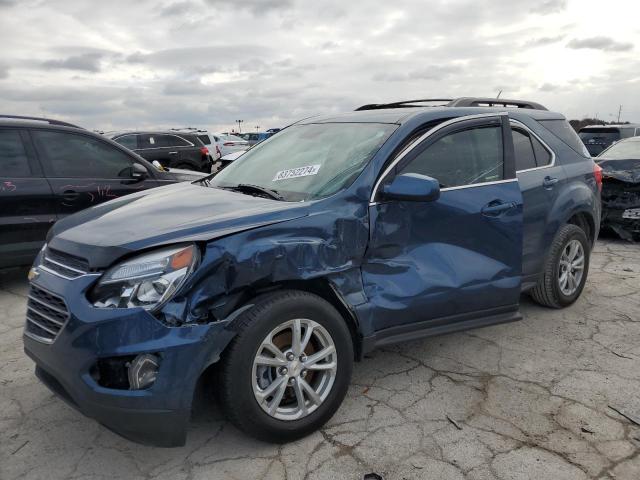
x=566, y=133
x=602, y=134
x=205, y=139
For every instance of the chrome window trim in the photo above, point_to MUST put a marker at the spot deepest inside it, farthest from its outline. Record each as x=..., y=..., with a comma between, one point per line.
x=48, y=259
x=426, y=135
x=169, y=146
x=522, y=126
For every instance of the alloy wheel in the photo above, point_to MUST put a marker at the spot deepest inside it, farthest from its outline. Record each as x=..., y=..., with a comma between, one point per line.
x=294, y=369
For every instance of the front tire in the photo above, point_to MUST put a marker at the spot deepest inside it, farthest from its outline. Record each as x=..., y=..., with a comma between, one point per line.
x=565, y=269
x=288, y=369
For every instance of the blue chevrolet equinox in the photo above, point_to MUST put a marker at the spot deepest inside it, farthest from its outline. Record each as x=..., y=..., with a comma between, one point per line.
x=337, y=235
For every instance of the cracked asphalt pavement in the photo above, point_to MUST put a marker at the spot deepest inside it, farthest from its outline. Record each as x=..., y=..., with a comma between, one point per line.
x=527, y=400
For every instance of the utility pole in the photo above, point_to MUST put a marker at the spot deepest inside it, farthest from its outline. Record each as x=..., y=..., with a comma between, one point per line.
x=257, y=128
x=619, y=112
x=239, y=122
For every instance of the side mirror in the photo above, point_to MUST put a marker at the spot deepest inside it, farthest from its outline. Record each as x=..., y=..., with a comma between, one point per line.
x=412, y=187
x=139, y=172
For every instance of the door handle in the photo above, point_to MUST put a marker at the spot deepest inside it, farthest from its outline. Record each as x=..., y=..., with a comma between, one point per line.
x=549, y=182
x=70, y=195
x=173, y=153
x=497, y=208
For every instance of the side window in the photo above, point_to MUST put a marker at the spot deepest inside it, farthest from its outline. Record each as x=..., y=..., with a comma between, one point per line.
x=543, y=157
x=462, y=158
x=172, y=141
x=128, y=141
x=523, y=150
x=147, y=141
x=73, y=155
x=205, y=139
x=13, y=157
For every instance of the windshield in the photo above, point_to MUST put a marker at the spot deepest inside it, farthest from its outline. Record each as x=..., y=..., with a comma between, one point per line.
x=307, y=162
x=629, y=150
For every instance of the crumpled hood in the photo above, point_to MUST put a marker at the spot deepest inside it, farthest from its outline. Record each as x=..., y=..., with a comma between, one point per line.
x=176, y=213
x=623, y=170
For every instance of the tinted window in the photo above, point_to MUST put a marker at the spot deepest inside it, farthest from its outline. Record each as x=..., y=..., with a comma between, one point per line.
x=204, y=139
x=128, y=141
x=566, y=133
x=72, y=155
x=599, y=134
x=13, y=157
x=523, y=150
x=543, y=157
x=462, y=158
x=172, y=141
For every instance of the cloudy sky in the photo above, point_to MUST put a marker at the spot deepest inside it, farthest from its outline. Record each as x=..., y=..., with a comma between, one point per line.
x=131, y=64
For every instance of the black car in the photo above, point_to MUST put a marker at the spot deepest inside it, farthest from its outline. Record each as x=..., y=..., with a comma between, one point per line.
x=50, y=169
x=171, y=149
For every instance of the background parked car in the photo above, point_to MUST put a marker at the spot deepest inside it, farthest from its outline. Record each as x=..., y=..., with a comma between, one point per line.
x=620, y=165
x=226, y=160
x=230, y=143
x=50, y=169
x=257, y=137
x=171, y=149
x=208, y=139
x=599, y=137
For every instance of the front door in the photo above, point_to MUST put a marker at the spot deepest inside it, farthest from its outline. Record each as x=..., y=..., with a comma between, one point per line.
x=440, y=262
x=85, y=171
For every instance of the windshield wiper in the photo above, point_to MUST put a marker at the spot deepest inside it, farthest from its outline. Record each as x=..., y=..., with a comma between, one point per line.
x=248, y=188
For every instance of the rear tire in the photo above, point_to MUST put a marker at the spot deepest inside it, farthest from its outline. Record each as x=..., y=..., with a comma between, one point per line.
x=281, y=416
x=553, y=289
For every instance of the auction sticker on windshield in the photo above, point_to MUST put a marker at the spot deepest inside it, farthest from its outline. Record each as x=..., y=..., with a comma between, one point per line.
x=297, y=172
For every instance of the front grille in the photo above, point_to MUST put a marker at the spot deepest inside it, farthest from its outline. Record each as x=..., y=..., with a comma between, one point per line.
x=46, y=315
x=64, y=265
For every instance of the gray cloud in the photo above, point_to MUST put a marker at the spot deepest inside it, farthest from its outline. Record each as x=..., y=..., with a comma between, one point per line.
x=86, y=62
x=4, y=71
x=547, y=7
x=255, y=6
x=543, y=41
x=600, y=43
x=122, y=64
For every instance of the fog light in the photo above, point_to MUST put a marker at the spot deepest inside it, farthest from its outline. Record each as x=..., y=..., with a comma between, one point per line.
x=143, y=371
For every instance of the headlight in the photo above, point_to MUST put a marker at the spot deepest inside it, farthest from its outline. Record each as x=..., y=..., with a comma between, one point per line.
x=146, y=281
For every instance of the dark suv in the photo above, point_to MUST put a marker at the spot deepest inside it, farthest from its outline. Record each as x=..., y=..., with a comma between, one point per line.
x=338, y=235
x=172, y=149
x=50, y=169
x=598, y=138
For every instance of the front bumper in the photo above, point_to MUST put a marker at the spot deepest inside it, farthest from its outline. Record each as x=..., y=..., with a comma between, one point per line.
x=158, y=415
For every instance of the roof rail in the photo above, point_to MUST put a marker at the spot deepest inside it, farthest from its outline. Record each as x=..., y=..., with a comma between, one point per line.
x=40, y=119
x=457, y=102
x=405, y=104
x=494, y=102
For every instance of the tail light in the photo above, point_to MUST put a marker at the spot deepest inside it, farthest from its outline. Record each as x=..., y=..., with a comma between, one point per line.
x=204, y=151
x=229, y=144
x=597, y=172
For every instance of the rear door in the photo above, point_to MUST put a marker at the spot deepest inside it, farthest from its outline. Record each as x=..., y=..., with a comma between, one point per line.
x=540, y=181
x=459, y=257
x=84, y=170
x=26, y=207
